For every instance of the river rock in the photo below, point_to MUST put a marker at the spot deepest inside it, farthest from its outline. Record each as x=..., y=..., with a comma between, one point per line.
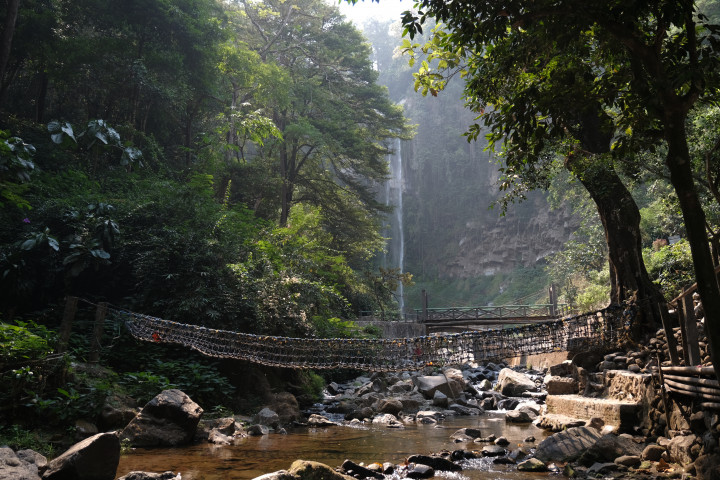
x=434, y=415
x=513, y=384
x=707, y=467
x=680, y=448
x=221, y=431
x=653, y=453
x=440, y=399
x=307, y=470
x=532, y=465
x=493, y=451
x=392, y=406
x=267, y=417
x=609, y=447
x=466, y=435
x=353, y=469
x=628, y=460
x=567, y=445
x=316, y=420
x=557, y=423
x=14, y=467
x=484, y=385
x=420, y=471
x=508, y=404
x=95, y=458
x=518, y=416
x=258, y=430
x=169, y=419
x=150, y=476
x=437, y=463
x=360, y=414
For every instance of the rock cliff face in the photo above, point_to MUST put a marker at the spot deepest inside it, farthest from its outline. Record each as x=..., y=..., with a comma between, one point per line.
x=524, y=237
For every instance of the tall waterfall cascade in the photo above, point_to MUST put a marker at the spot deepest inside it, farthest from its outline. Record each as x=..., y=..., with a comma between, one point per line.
x=394, y=197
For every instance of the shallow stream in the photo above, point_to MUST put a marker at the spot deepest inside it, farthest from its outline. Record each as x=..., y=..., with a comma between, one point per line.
x=256, y=456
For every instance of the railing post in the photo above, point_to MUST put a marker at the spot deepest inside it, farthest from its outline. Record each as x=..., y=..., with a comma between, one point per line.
x=693, y=347
x=424, y=302
x=66, y=324
x=96, y=339
x=669, y=336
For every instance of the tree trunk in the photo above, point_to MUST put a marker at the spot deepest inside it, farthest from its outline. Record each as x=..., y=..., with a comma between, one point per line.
x=678, y=162
x=620, y=217
x=7, y=36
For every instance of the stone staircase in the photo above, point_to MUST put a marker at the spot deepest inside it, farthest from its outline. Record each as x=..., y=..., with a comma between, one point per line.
x=620, y=398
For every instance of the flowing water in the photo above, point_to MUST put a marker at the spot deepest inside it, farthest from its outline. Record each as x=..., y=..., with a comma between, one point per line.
x=256, y=456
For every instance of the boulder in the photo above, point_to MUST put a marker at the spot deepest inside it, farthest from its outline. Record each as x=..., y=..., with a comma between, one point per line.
x=484, y=385
x=513, y=384
x=316, y=420
x=286, y=406
x=14, y=467
x=267, y=417
x=436, y=416
x=609, y=447
x=707, y=467
x=258, y=430
x=556, y=423
x=518, y=416
x=355, y=470
x=360, y=414
x=680, y=447
x=440, y=399
x=561, y=385
x=567, y=445
x=169, y=419
x=493, y=451
x=466, y=435
x=150, y=476
x=392, y=406
x=307, y=470
x=532, y=465
x=224, y=431
x=437, y=463
x=653, y=453
x=95, y=458
x=420, y=471
x=628, y=460
x=385, y=419
x=429, y=384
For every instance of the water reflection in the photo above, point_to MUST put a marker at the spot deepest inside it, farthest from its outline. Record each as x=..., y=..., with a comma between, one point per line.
x=256, y=456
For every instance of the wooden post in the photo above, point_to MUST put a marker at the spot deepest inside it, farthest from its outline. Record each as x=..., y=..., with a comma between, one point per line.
x=96, y=339
x=552, y=295
x=66, y=325
x=669, y=336
x=691, y=331
x=424, y=301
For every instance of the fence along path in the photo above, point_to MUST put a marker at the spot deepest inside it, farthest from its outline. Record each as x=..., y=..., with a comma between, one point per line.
x=591, y=331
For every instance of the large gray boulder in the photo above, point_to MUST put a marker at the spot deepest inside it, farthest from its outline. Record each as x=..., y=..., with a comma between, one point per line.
x=567, y=445
x=514, y=384
x=95, y=458
x=267, y=417
x=169, y=419
x=22, y=465
x=608, y=448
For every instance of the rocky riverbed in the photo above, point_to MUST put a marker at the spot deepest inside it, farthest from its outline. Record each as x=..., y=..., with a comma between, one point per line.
x=619, y=426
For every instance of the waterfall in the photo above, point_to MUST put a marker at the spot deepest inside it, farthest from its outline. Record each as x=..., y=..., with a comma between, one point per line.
x=394, y=197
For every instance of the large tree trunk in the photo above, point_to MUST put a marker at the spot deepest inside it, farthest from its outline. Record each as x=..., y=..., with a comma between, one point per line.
x=11, y=14
x=620, y=217
x=678, y=162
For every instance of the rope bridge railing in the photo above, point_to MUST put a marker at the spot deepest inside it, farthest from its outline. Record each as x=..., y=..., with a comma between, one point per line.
x=592, y=331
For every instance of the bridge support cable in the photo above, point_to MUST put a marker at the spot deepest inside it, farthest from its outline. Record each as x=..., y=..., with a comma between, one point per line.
x=604, y=329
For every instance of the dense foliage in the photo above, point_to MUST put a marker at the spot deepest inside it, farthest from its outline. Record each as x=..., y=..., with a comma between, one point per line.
x=208, y=162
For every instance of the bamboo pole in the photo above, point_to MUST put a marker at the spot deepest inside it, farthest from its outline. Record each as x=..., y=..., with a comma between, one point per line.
x=694, y=370
x=669, y=335
x=680, y=387
x=705, y=382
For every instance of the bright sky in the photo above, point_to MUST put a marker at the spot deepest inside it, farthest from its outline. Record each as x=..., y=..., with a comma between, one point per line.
x=366, y=9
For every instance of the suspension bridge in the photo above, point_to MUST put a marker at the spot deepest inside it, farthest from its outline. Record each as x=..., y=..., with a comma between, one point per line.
x=591, y=331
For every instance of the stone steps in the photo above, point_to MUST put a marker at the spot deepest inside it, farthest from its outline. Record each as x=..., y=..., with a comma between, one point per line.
x=621, y=414
x=624, y=402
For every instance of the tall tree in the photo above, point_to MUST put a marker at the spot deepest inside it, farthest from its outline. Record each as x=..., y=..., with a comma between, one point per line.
x=336, y=122
x=646, y=63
